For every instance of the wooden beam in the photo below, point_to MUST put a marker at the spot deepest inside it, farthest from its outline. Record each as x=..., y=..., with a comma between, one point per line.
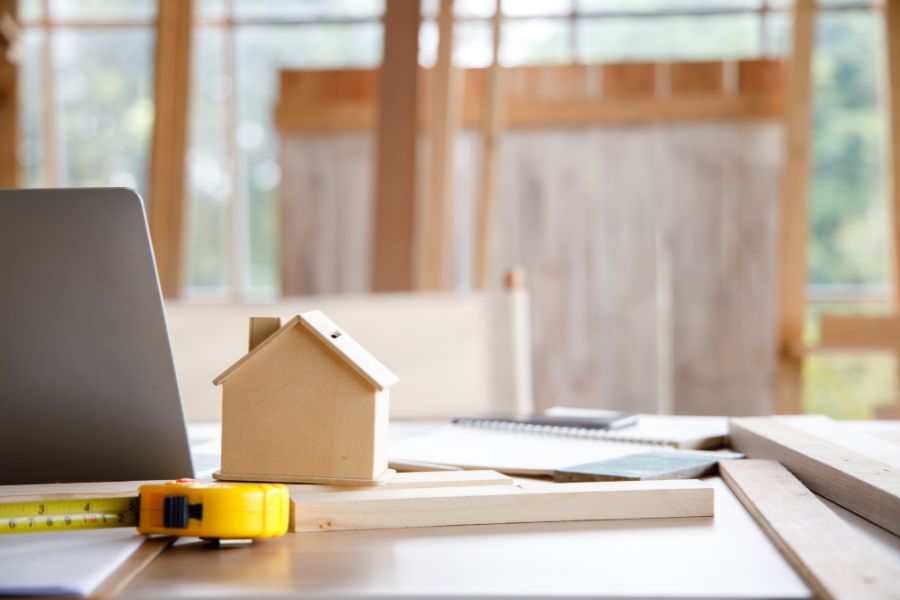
x=841, y=332
x=430, y=507
x=395, y=160
x=851, y=478
x=833, y=558
x=9, y=121
x=170, y=137
x=544, y=96
x=795, y=212
x=435, y=266
x=490, y=132
x=892, y=39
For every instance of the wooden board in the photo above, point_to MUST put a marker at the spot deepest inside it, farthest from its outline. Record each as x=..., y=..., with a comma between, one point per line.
x=546, y=96
x=856, y=481
x=831, y=557
x=66, y=491
x=328, y=481
x=417, y=480
x=383, y=509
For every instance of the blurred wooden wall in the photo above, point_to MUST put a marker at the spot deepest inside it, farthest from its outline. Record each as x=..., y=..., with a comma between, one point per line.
x=642, y=199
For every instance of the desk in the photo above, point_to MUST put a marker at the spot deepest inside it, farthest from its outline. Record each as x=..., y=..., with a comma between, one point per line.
x=723, y=557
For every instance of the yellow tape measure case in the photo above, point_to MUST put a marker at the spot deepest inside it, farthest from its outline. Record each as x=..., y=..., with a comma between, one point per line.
x=215, y=510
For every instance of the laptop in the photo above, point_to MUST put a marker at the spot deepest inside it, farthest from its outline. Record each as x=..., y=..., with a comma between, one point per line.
x=87, y=383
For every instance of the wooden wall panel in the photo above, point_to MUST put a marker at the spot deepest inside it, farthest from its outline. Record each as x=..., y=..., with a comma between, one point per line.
x=724, y=242
x=650, y=248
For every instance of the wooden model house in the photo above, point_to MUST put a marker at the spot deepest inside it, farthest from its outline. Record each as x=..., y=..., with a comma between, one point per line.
x=307, y=403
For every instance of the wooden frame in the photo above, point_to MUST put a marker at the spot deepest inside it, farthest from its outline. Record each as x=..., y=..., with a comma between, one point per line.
x=9, y=126
x=169, y=146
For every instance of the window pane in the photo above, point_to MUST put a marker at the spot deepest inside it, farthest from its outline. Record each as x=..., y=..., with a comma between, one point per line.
x=849, y=209
x=537, y=8
x=669, y=38
x=668, y=5
x=211, y=9
x=209, y=169
x=261, y=52
x=100, y=10
x=31, y=98
x=104, y=98
x=535, y=41
x=471, y=44
x=308, y=9
x=30, y=10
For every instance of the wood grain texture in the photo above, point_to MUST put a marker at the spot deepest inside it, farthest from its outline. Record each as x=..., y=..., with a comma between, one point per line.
x=795, y=211
x=617, y=280
x=168, y=150
x=417, y=480
x=383, y=509
x=436, y=253
x=722, y=224
x=318, y=101
x=9, y=113
x=66, y=491
x=855, y=480
x=892, y=39
x=393, y=267
x=299, y=412
x=832, y=558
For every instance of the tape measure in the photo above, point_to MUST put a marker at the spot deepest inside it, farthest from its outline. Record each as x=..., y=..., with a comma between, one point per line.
x=185, y=507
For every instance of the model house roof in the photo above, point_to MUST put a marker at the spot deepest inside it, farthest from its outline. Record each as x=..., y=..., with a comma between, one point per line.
x=332, y=337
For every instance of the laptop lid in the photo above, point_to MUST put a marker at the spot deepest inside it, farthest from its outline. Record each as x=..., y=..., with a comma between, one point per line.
x=87, y=383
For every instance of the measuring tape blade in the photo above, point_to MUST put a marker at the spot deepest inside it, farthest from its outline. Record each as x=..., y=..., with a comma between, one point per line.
x=59, y=515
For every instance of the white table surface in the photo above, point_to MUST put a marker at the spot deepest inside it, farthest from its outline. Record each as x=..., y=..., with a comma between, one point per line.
x=727, y=556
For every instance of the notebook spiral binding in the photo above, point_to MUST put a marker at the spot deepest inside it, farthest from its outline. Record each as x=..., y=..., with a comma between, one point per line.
x=559, y=431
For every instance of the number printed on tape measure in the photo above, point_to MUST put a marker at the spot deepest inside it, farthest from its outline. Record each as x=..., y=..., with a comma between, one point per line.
x=94, y=513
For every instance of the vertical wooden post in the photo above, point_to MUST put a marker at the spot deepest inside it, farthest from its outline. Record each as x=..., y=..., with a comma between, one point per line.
x=9, y=129
x=170, y=137
x=892, y=40
x=795, y=212
x=395, y=160
x=490, y=133
x=434, y=272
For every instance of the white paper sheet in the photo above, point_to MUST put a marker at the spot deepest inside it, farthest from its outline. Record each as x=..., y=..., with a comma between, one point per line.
x=63, y=563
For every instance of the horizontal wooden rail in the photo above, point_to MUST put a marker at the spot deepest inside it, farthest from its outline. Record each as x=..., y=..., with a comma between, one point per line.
x=565, y=95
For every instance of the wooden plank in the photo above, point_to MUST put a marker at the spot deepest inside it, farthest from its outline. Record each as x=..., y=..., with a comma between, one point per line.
x=892, y=40
x=842, y=332
x=544, y=96
x=490, y=132
x=9, y=120
x=486, y=505
x=66, y=491
x=169, y=146
x=395, y=160
x=834, y=559
x=417, y=480
x=795, y=211
x=434, y=269
x=856, y=481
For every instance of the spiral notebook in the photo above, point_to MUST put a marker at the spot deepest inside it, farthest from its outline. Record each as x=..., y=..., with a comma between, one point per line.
x=539, y=450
